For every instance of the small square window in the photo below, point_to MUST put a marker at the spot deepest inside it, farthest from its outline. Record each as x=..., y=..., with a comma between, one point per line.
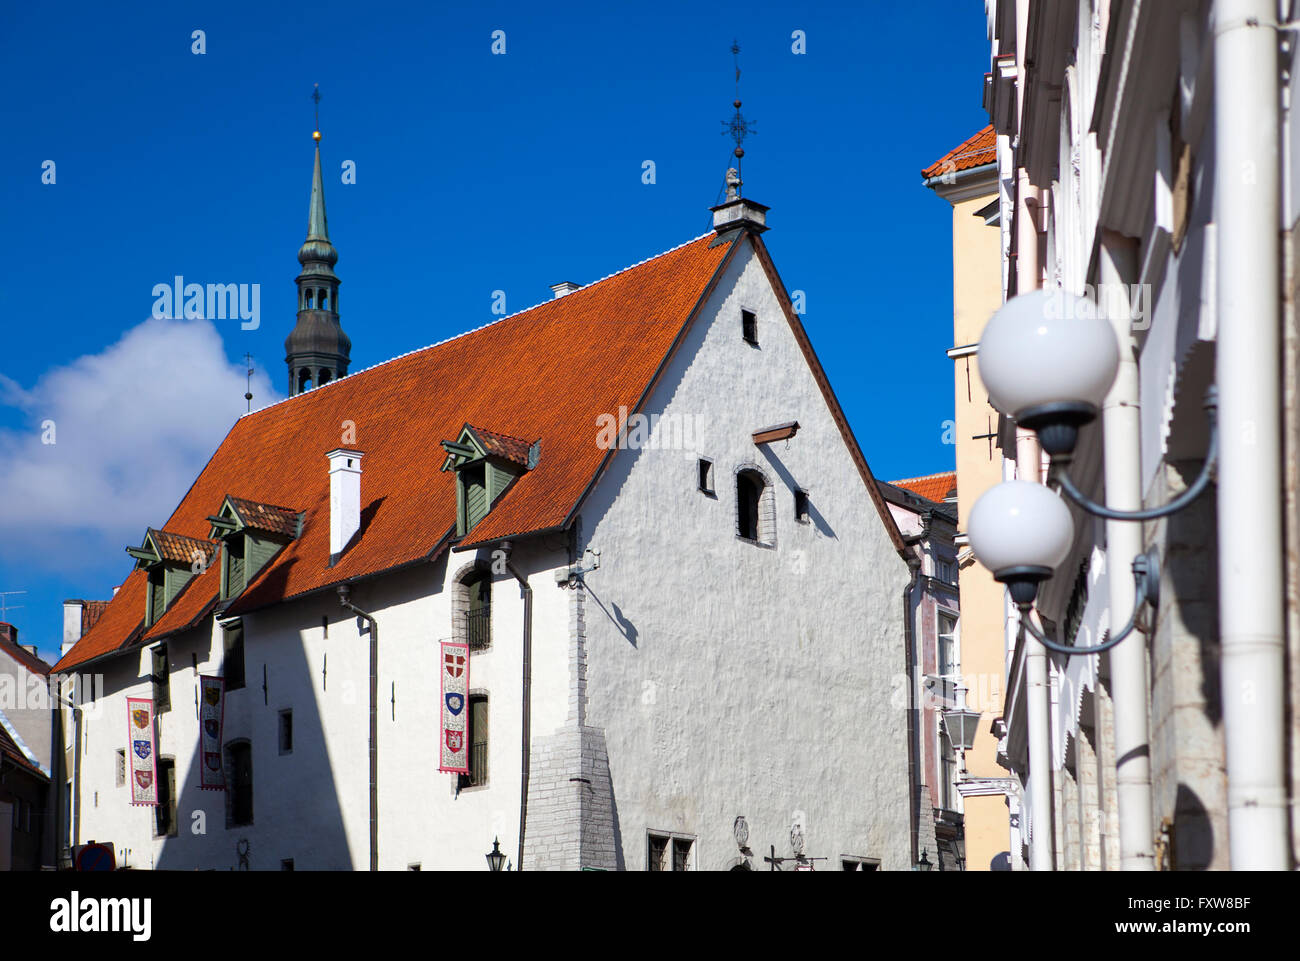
x=286, y=732
x=706, y=476
x=749, y=326
x=669, y=852
x=801, y=506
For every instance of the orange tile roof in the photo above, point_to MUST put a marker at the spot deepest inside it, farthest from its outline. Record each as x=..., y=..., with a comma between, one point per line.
x=975, y=151
x=934, y=487
x=23, y=656
x=544, y=373
x=91, y=611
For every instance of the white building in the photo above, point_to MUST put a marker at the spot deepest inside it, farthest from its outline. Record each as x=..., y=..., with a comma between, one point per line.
x=708, y=628
x=1147, y=163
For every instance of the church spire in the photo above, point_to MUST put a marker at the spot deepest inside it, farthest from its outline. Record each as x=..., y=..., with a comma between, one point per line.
x=317, y=351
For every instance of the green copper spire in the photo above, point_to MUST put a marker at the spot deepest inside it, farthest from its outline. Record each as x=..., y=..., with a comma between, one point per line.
x=317, y=350
x=317, y=226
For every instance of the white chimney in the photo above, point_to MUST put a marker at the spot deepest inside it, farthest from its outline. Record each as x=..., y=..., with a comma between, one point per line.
x=71, y=625
x=345, y=499
x=564, y=287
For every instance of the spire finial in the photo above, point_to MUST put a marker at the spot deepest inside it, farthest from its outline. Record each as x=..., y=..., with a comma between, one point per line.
x=248, y=391
x=315, y=96
x=738, y=127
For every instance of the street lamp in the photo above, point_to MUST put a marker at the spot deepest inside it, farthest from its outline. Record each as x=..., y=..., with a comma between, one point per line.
x=923, y=864
x=1048, y=360
x=495, y=859
x=1022, y=532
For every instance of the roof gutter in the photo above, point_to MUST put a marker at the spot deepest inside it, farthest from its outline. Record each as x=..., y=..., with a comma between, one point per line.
x=959, y=178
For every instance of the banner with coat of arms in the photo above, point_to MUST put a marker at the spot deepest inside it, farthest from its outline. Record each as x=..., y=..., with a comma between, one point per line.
x=211, y=701
x=140, y=742
x=454, y=737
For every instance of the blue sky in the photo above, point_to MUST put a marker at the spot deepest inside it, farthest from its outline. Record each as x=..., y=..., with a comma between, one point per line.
x=474, y=173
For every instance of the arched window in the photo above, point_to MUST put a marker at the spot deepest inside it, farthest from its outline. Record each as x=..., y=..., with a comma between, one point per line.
x=755, y=508
x=324, y=300
x=472, y=607
x=304, y=380
x=324, y=377
x=309, y=298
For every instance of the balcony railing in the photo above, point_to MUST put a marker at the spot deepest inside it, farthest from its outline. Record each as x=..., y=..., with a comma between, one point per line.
x=478, y=628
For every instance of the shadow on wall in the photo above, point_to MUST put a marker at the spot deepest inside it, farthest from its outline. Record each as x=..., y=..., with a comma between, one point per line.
x=296, y=812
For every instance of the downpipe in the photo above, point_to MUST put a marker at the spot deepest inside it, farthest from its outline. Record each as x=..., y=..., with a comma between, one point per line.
x=526, y=733
x=345, y=592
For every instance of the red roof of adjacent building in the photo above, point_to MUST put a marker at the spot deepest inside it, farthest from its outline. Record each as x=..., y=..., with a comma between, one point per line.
x=10, y=749
x=545, y=374
x=975, y=151
x=934, y=487
x=11, y=647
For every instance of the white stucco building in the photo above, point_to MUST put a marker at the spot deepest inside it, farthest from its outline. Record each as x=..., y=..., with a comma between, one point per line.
x=690, y=617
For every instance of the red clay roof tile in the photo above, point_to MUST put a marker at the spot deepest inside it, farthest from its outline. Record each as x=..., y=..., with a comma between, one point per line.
x=934, y=487
x=975, y=151
x=544, y=373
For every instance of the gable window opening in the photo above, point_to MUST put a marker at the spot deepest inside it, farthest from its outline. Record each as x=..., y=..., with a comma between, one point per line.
x=161, y=678
x=749, y=327
x=478, y=743
x=706, y=477
x=801, y=506
x=755, y=508
x=286, y=732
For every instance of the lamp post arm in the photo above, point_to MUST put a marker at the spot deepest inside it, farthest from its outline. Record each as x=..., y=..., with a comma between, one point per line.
x=1197, y=487
x=1146, y=578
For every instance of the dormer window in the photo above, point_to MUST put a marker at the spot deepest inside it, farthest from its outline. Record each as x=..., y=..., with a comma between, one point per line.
x=251, y=534
x=486, y=464
x=171, y=561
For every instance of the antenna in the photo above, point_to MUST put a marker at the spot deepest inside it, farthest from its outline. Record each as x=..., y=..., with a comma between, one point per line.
x=6, y=607
x=315, y=97
x=248, y=392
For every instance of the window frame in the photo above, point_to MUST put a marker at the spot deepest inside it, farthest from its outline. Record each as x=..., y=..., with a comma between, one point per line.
x=476, y=779
x=161, y=683
x=706, y=484
x=671, y=840
x=285, y=725
x=166, y=775
x=749, y=326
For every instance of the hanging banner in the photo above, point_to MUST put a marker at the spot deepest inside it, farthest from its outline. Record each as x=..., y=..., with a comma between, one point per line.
x=140, y=753
x=454, y=741
x=211, y=702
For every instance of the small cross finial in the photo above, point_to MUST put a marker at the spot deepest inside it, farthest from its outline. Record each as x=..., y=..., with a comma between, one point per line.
x=315, y=96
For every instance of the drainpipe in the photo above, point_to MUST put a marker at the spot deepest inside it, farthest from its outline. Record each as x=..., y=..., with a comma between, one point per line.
x=527, y=593
x=1121, y=433
x=345, y=592
x=913, y=677
x=1029, y=461
x=1247, y=176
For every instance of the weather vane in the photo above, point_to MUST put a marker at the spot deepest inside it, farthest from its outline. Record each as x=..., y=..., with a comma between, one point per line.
x=248, y=391
x=315, y=97
x=738, y=127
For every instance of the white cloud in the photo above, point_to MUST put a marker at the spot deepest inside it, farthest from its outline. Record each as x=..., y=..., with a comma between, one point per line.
x=133, y=426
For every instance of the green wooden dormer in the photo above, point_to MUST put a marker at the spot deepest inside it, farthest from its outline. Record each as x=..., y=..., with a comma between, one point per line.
x=251, y=534
x=171, y=560
x=486, y=463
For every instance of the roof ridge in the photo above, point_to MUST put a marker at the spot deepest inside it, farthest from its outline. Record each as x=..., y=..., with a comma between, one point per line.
x=474, y=330
x=905, y=480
